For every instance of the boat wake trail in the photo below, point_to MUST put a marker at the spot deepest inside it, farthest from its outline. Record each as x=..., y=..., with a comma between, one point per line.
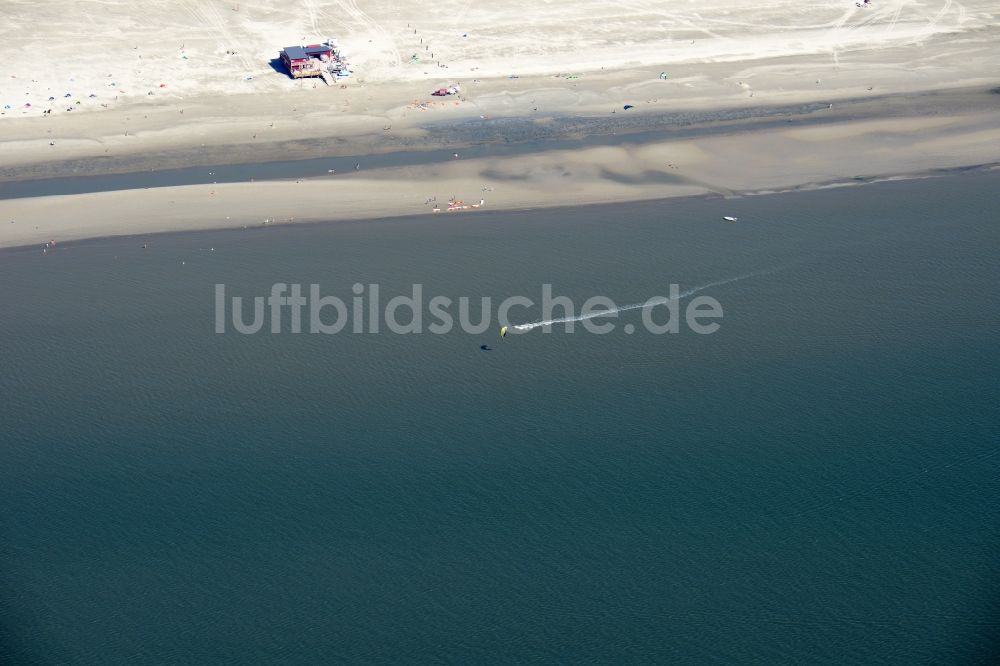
x=658, y=300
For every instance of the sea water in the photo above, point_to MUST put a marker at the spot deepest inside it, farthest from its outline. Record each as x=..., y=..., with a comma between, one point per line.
x=815, y=482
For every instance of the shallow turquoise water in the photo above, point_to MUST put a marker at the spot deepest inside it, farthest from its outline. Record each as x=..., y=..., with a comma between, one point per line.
x=817, y=482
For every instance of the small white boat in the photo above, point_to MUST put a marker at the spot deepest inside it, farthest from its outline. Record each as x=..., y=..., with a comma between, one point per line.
x=728, y=218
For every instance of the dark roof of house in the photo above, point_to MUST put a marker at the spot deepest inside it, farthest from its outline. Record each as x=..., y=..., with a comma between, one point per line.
x=295, y=53
x=314, y=49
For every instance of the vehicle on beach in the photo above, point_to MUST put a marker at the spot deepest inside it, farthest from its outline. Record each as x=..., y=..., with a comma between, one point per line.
x=457, y=205
x=445, y=92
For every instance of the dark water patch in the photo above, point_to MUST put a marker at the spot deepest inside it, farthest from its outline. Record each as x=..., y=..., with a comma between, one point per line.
x=646, y=177
x=498, y=137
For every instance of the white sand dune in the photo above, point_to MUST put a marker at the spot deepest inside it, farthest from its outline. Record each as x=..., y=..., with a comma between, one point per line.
x=122, y=51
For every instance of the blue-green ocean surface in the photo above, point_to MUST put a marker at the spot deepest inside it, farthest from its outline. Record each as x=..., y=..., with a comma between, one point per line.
x=817, y=482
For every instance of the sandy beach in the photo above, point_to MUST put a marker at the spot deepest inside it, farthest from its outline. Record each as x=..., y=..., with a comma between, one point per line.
x=726, y=98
